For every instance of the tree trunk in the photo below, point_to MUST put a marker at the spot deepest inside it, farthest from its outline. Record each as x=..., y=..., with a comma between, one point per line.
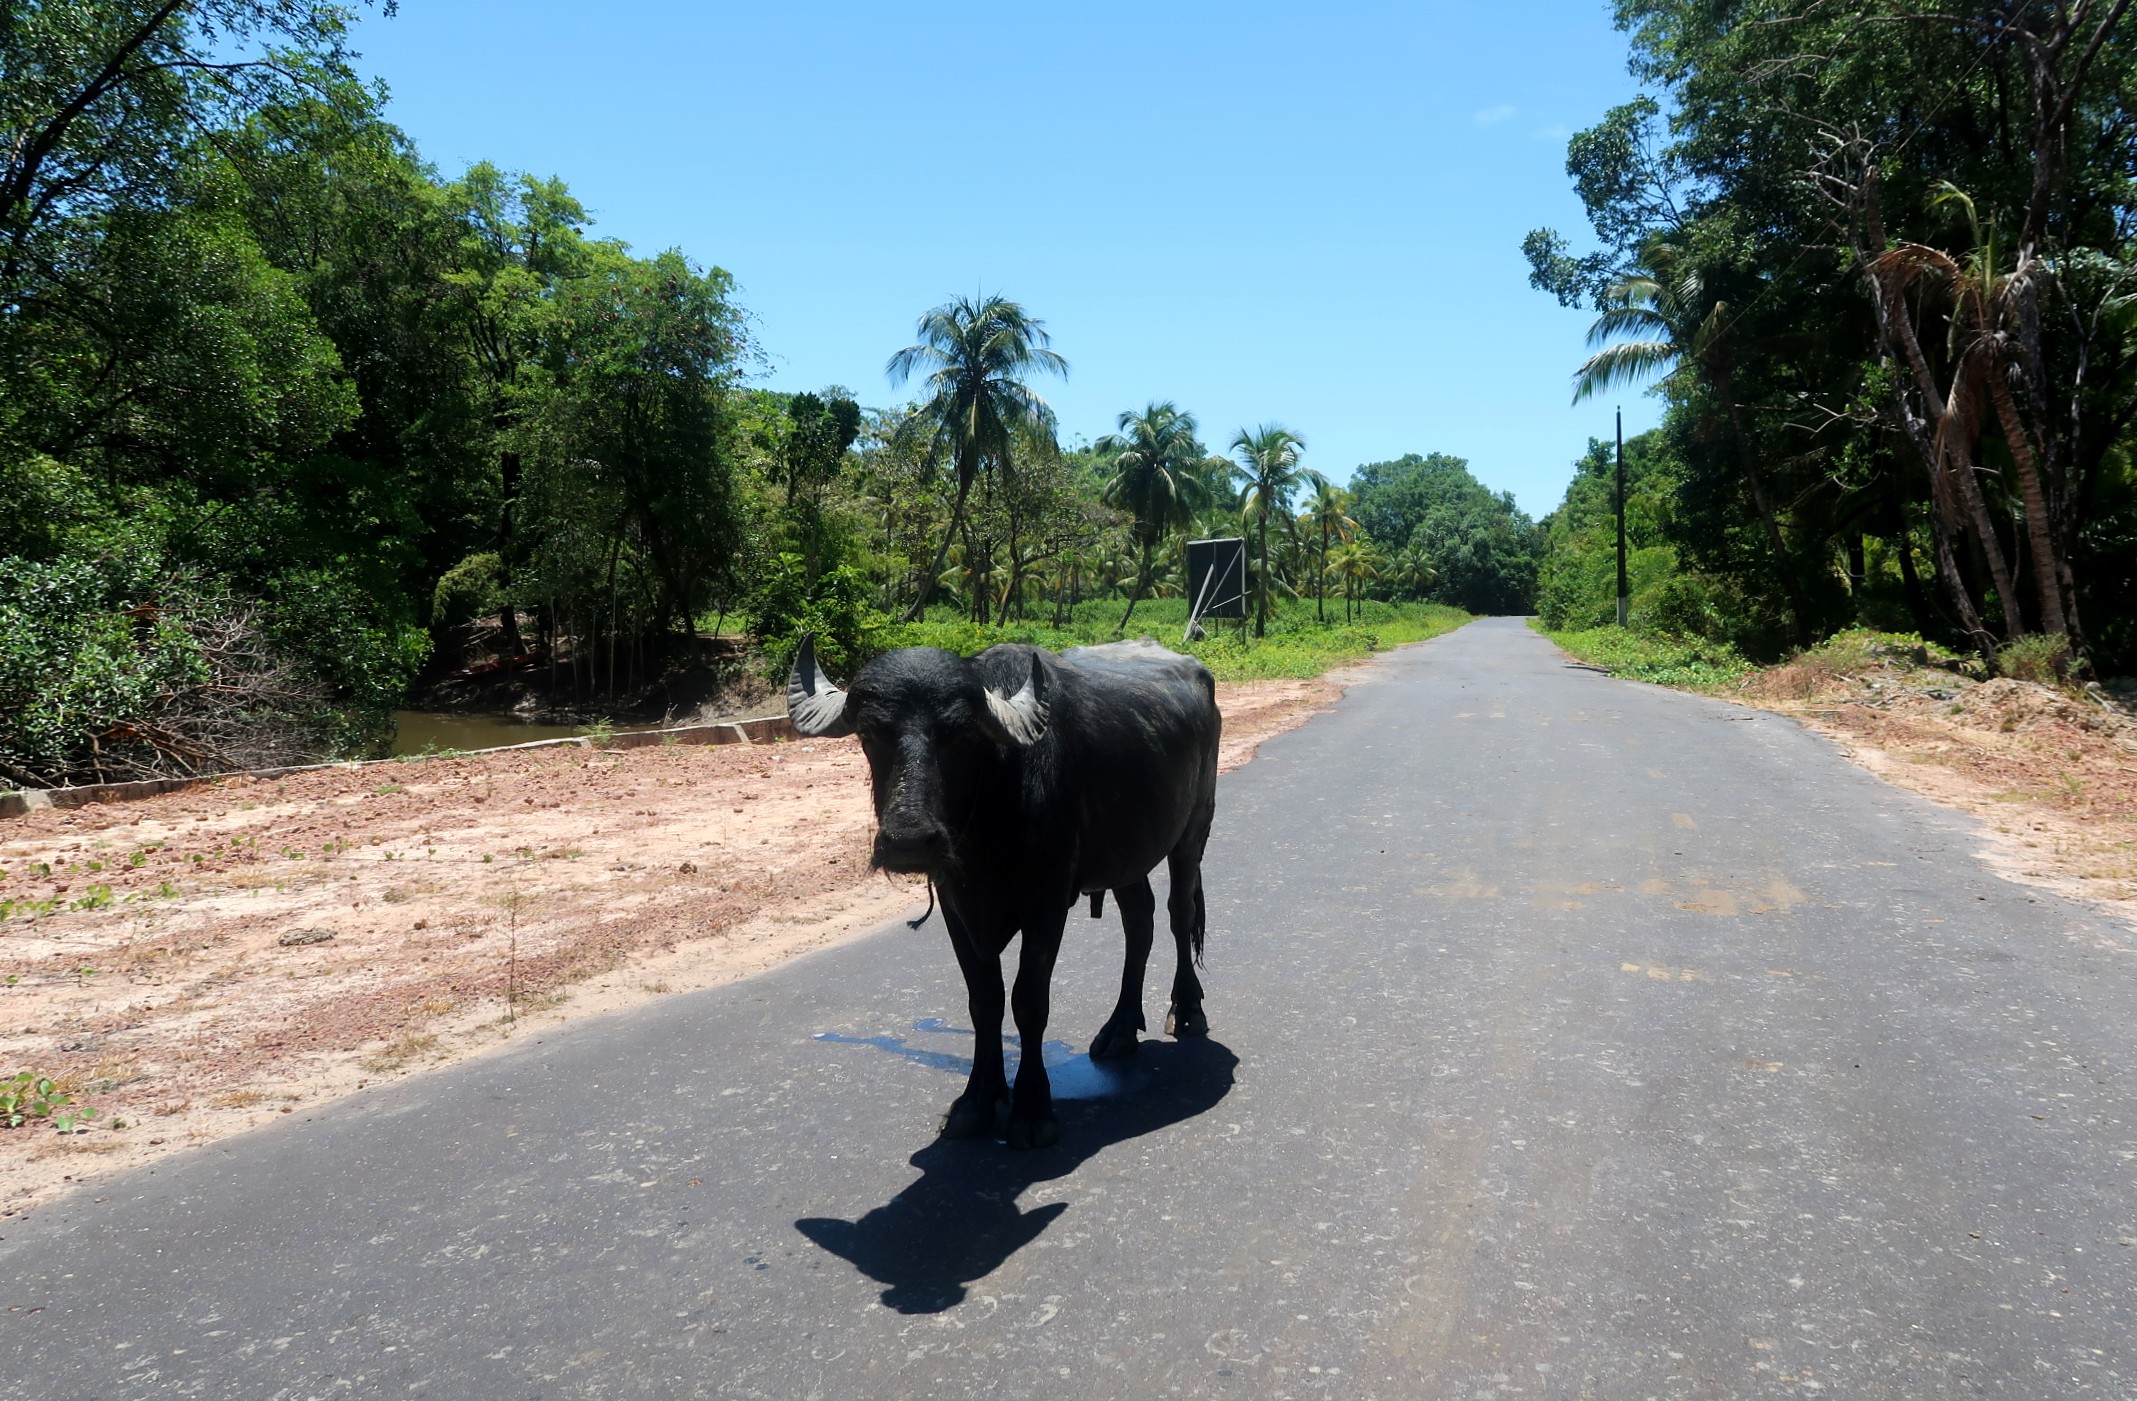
x=1320, y=579
x=2047, y=561
x=508, y=481
x=1942, y=556
x=1142, y=581
x=1261, y=600
x=1926, y=433
x=942, y=551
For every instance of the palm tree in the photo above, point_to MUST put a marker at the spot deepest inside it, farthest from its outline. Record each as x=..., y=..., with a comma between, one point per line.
x=1153, y=454
x=1412, y=572
x=1268, y=464
x=1353, y=563
x=1677, y=327
x=1984, y=327
x=977, y=354
x=1328, y=513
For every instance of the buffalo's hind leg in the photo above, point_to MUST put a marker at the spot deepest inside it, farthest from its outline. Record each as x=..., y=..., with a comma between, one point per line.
x=1190, y=921
x=1138, y=915
x=972, y=1113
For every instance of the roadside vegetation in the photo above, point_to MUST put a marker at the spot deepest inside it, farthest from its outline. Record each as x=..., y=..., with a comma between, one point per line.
x=296, y=425
x=1877, y=259
x=1690, y=663
x=1296, y=645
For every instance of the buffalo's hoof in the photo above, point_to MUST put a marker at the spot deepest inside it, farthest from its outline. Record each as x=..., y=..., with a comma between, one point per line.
x=1184, y=1022
x=1113, y=1041
x=969, y=1119
x=1028, y=1132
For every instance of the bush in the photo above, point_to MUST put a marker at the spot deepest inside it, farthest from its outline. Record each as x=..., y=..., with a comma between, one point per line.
x=840, y=611
x=1666, y=661
x=120, y=668
x=471, y=589
x=1679, y=606
x=2040, y=657
x=84, y=646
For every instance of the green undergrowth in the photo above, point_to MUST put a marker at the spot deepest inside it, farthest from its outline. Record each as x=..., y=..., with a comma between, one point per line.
x=1692, y=663
x=1297, y=644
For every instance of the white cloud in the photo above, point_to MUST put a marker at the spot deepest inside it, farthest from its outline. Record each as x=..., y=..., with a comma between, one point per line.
x=1492, y=116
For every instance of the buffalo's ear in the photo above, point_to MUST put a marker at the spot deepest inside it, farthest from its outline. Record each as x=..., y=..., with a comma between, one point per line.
x=1019, y=719
x=814, y=703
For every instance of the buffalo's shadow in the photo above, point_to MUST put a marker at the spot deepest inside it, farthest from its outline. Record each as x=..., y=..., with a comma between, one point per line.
x=960, y=1221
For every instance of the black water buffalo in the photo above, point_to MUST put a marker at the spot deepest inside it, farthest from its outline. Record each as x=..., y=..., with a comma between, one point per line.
x=1020, y=780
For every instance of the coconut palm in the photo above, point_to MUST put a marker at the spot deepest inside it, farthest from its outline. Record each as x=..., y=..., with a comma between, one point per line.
x=1266, y=460
x=1327, y=514
x=1354, y=564
x=977, y=355
x=1153, y=456
x=1411, y=572
x=1673, y=327
x=1986, y=307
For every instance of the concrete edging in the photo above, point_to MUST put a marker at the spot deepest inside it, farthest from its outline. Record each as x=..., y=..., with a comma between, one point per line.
x=764, y=729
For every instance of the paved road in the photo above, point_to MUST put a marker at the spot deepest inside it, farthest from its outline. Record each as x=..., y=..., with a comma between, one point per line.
x=1572, y=1039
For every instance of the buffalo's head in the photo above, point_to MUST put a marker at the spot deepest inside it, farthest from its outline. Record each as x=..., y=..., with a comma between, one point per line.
x=928, y=720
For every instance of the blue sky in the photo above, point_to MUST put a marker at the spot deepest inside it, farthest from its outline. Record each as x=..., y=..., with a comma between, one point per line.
x=1305, y=215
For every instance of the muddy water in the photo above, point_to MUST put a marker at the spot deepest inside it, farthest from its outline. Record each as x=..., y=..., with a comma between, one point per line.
x=423, y=731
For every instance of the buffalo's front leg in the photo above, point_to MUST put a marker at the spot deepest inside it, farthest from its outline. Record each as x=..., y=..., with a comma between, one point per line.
x=1138, y=916
x=972, y=1112
x=1031, y=1105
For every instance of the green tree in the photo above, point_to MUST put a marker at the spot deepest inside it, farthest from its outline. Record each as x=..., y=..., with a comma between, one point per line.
x=819, y=433
x=1357, y=564
x=1662, y=321
x=1893, y=385
x=520, y=248
x=1483, y=547
x=976, y=354
x=1267, y=464
x=1327, y=514
x=1154, y=457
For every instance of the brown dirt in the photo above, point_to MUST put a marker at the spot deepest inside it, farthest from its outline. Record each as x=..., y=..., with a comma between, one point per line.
x=2052, y=774
x=164, y=960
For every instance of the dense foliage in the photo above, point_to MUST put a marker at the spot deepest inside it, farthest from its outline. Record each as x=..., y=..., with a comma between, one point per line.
x=1483, y=549
x=1879, y=258
x=291, y=421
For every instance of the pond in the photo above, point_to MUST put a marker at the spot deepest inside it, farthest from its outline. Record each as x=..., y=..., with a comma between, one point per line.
x=423, y=731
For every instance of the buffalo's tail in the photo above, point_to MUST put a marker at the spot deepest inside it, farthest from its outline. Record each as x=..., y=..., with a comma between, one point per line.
x=1201, y=929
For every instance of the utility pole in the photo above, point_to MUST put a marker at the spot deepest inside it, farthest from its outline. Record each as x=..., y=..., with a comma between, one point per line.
x=1623, y=610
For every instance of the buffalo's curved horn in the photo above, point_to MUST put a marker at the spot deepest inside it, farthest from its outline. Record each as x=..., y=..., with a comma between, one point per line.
x=814, y=702
x=1022, y=718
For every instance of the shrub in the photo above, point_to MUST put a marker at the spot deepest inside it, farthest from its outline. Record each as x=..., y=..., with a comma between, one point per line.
x=2041, y=657
x=1680, y=606
x=120, y=668
x=840, y=611
x=471, y=589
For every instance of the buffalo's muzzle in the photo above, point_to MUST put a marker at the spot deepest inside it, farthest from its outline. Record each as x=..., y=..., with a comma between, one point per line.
x=911, y=851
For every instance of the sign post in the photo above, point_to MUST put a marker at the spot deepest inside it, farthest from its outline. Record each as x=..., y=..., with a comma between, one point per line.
x=1216, y=582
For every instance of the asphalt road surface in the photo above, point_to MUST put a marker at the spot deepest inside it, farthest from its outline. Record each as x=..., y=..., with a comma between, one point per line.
x=1571, y=1038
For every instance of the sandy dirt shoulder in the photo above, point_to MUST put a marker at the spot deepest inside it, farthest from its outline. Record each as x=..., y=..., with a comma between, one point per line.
x=2052, y=776
x=192, y=964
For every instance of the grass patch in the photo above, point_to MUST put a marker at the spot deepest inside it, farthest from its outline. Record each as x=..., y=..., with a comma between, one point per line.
x=399, y=1052
x=1297, y=645
x=1689, y=663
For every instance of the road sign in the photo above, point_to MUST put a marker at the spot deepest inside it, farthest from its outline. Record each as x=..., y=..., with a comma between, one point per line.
x=1216, y=579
